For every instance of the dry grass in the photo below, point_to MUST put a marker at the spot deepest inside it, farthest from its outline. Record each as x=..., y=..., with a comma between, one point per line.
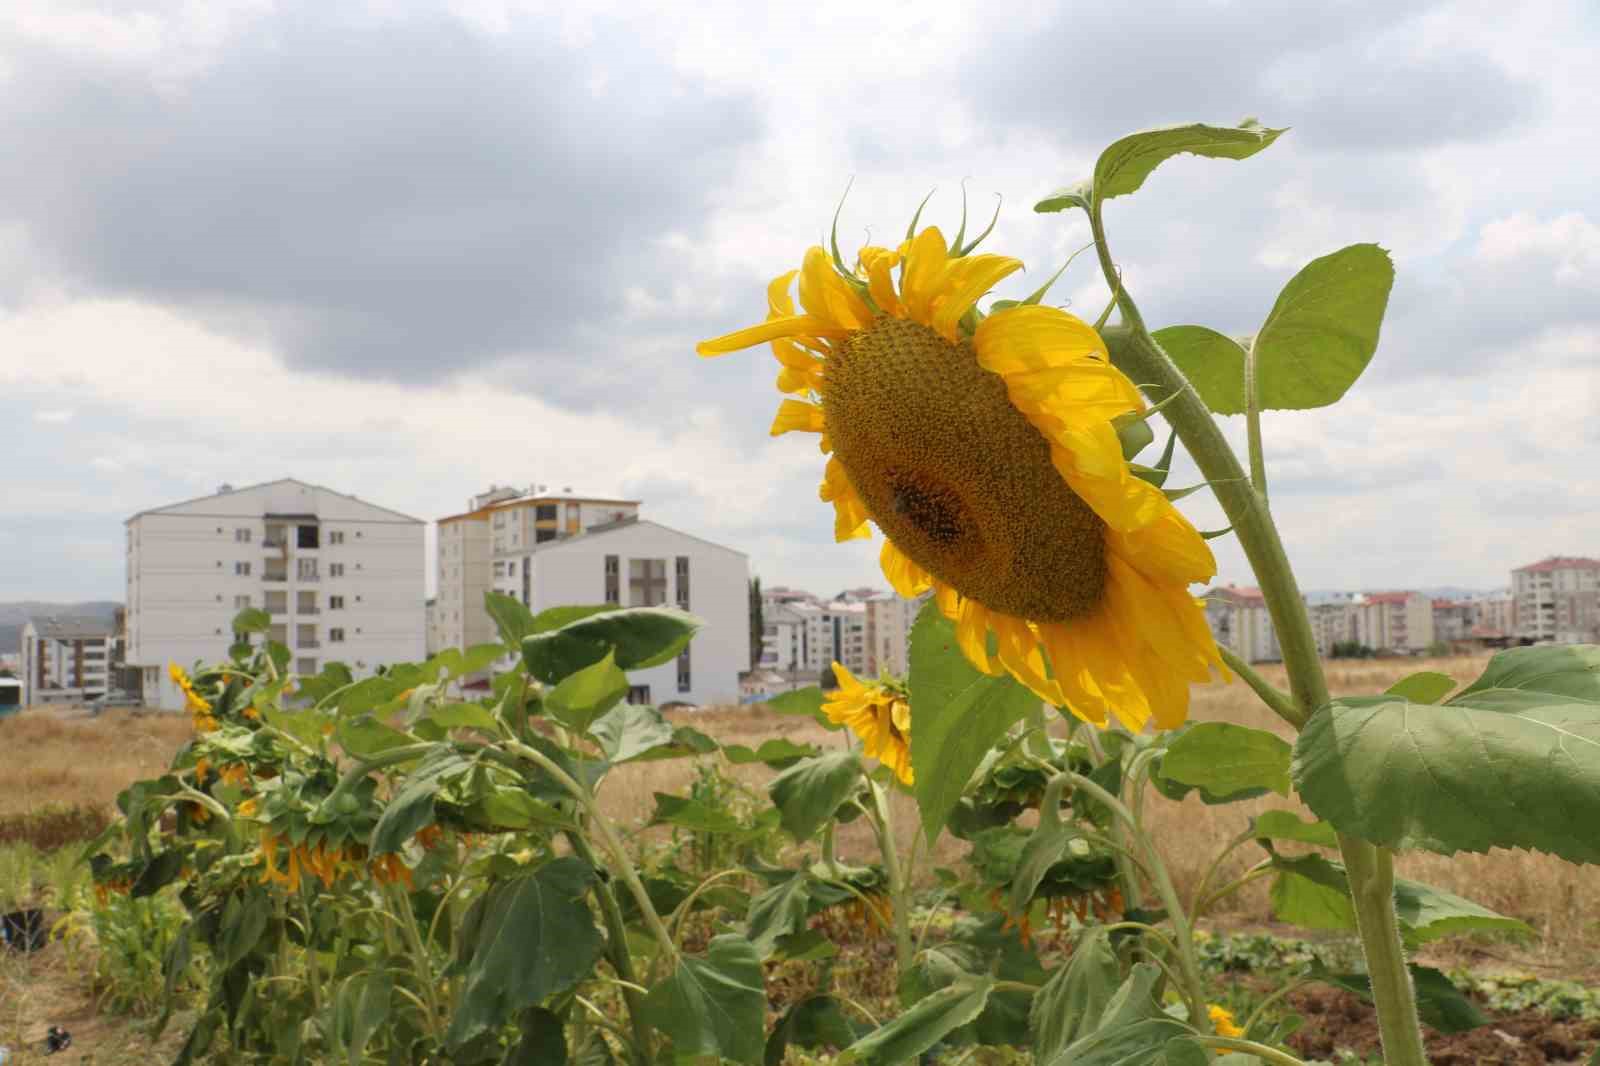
x=62, y=758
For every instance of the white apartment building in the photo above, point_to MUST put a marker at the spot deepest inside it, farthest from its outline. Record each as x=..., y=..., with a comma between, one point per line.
x=1493, y=615
x=890, y=617
x=784, y=638
x=812, y=634
x=1240, y=622
x=1394, y=621
x=1333, y=620
x=1453, y=620
x=1557, y=599
x=67, y=660
x=342, y=579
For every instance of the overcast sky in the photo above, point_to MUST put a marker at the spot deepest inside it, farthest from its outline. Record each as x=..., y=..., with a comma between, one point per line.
x=408, y=249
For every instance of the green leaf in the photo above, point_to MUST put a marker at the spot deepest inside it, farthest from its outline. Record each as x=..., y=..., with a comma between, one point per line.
x=814, y=1022
x=1314, y=892
x=252, y=620
x=806, y=702
x=1070, y=1004
x=1124, y=166
x=640, y=637
x=1286, y=825
x=809, y=792
x=1512, y=761
x=1131, y=1031
x=541, y=1041
x=364, y=1001
x=960, y=714
x=1439, y=1002
x=364, y=736
x=1226, y=759
x=1046, y=846
x=412, y=806
x=583, y=696
x=779, y=752
x=1324, y=328
x=1134, y=433
x=1079, y=195
x=1427, y=913
x=1426, y=686
x=1213, y=363
x=524, y=939
x=692, y=814
x=464, y=716
x=715, y=1005
x=511, y=617
x=630, y=730
x=777, y=912
x=932, y=1019
x=1181, y=1051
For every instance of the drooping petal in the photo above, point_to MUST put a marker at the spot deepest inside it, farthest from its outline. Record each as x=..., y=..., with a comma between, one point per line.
x=904, y=576
x=790, y=326
x=878, y=262
x=797, y=415
x=825, y=295
x=849, y=513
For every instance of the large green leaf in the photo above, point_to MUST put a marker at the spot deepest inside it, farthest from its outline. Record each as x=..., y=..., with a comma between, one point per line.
x=541, y=1040
x=957, y=715
x=1070, y=1004
x=814, y=1022
x=1424, y=686
x=1124, y=166
x=779, y=753
x=630, y=730
x=1226, y=759
x=252, y=620
x=1213, y=363
x=805, y=702
x=1132, y=1029
x=715, y=1005
x=1511, y=761
x=810, y=791
x=687, y=813
x=778, y=911
x=511, y=617
x=413, y=804
x=1286, y=825
x=585, y=695
x=1439, y=1002
x=639, y=637
x=1323, y=330
x=525, y=938
x=924, y=1025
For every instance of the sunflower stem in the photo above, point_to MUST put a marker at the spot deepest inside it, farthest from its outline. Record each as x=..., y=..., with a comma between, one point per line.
x=1279, y=701
x=1370, y=869
x=1252, y=418
x=898, y=889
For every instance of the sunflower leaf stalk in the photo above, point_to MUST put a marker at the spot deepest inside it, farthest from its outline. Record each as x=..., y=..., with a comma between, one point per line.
x=1370, y=869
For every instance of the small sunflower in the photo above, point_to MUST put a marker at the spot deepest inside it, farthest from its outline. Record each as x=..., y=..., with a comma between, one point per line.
x=983, y=448
x=1222, y=1021
x=878, y=713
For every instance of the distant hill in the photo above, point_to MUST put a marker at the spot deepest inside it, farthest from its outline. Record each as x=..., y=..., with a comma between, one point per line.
x=14, y=615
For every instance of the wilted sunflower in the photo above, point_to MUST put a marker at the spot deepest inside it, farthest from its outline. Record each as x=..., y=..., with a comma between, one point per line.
x=879, y=714
x=983, y=447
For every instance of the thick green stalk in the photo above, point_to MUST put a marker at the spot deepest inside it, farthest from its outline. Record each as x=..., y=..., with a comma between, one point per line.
x=617, y=952
x=1370, y=869
x=899, y=890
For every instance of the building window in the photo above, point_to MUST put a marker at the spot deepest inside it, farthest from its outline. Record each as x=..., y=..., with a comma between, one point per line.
x=542, y=535
x=242, y=535
x=336, y=537
x=241, y=602
x=639, y=694
x=499, y=569
x=647, y=582
x=305, y=667
x=683, y=582
x=242, y=569
x=544, y=512
x=306, y=569
x=335, y=569
x=335, y=635
x=305, y=536
x=613, y=579
x=335, y=603
x=683, y=671
x=527, y=580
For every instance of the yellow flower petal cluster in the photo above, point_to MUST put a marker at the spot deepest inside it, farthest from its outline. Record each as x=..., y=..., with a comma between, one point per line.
x=196, y=704
x=879, y=715
x=1222, y=1021
x=327, y=864
x=984, y=449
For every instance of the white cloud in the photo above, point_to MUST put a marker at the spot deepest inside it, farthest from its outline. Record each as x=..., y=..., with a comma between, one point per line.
x=53, y=417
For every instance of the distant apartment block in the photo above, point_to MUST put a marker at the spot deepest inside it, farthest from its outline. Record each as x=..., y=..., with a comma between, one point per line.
x=807, y=635
x=784, y=638
x=1333, y=620
x=1400, y=622
x=890, y=617
x=552, y=550
x=1557, y=599
x=1494, y=616
x=68, y=660
x=340, y=578
x=1453, y=620
x=1239, y=621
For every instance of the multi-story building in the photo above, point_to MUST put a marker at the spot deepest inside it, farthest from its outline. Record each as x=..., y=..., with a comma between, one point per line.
x=1240, y=622
x=1453, y=620
x=890, y=617
x=1557, y=599
x=68, y=660
x=1394, y=621
x=558, y=550
x=1333, y=620
x=1493, y=617
x=784, y=638
x=341, y=579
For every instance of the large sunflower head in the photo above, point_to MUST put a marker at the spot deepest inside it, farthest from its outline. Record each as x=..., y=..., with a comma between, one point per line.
x=983, y=447
x=879, y=713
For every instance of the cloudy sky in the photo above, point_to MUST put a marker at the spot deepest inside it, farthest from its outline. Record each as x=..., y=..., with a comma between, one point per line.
x=407, y=249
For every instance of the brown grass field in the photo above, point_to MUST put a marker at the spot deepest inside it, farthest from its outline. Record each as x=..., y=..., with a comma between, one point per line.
x=52, y=760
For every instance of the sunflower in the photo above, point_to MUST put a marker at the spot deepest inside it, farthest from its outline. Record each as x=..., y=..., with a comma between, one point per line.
x=983, y=447
x=879, y=714
x=1222, y=1021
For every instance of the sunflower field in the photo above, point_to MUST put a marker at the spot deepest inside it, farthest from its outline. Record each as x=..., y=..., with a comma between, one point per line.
x=386, y=870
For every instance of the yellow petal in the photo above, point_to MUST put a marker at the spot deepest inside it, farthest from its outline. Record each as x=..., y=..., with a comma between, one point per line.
x=972, y=635
x=824, y=294
x=1167, y=550
x=924, y=270
x=878, y=262
x=966, y=280
x=904, y=576
x=797, y=415
x=779, y=302
x=772, y=329
x=849, y=513
x=1034, y=338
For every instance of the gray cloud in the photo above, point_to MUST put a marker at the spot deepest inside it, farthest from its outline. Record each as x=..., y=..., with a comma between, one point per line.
x=398, y=200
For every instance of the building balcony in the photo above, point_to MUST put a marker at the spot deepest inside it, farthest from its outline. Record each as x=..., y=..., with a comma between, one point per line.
x=307, y=644
x=274, y=545
x=275, y=577
x=277, y=609
x=308, y=610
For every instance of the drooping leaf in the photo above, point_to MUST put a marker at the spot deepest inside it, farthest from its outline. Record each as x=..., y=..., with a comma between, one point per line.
x=1312, y=892
x=511, y=617
x=540, y=1040
x=779, y=753
x=692, y=814
x=630, y=730
x=1131, y=1031
x=809, y=792
x=1286, y=825
x=1070, y=1004
x=252, y=620
x=1425, y=686
x=639, y=637
x=777, y=912
x=959, y=714
x=814, y=1022
x=927, y=1022
x=413, y=804
x=1079, y=195
x=1323, y=330
x=525, y=938
x=1427, y=913
x=1439, y=1002
x=1226, y=759
x=463, y=716
x=1511, y=761
x=714, y=1005
x=585, y=695
x=1124, y=166
x=1181, y=1051
x=1212, y=362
